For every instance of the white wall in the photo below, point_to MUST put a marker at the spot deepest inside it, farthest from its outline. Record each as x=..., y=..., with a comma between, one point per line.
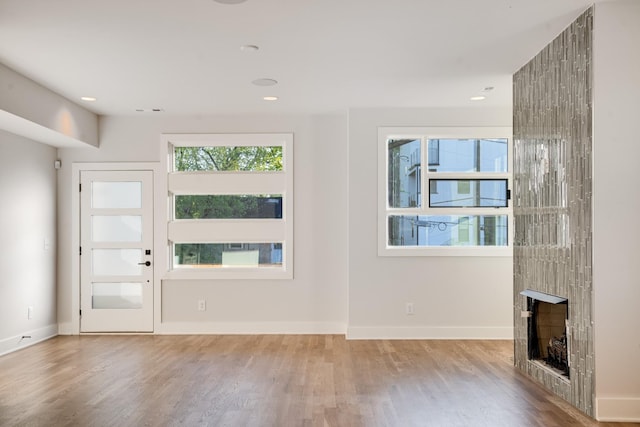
x=450, y=294
x=616, y=200
x=314, y=301
x=453, y=297
x=27, y=224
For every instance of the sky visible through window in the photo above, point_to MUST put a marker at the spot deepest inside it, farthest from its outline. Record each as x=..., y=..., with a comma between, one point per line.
x=463, y=161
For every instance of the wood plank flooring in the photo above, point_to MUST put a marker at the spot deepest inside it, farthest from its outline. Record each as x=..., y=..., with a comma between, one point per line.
x=273, y=380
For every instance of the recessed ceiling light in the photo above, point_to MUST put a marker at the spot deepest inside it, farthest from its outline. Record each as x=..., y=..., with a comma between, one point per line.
x=477, y=98
x=230, y=1
x=88, y=98
x=265, y=82
x=249, y=48
x=270, y=98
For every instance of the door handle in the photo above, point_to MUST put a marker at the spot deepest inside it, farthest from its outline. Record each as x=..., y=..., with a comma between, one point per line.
x=147, y=263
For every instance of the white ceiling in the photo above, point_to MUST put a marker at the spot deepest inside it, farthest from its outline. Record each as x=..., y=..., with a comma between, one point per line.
x=184, y=56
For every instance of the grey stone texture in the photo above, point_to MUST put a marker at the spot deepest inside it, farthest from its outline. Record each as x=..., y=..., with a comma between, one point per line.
x=552, y=125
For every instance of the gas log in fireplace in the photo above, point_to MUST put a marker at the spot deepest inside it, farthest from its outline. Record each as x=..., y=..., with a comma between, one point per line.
x=547, y=330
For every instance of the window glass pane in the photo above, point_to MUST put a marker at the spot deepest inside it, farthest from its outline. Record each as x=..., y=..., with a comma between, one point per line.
x=468, y=155
x=116, y=295
x=116, y=262
x=213, y=255
x=227, y=158
x=467, y=193
x=116, y=228
x=404, y=187
x=452, y=230
x=116, y=195
x=228, y=206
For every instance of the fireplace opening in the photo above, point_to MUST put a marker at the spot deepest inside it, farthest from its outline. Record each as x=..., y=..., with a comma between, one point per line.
x=547, y=330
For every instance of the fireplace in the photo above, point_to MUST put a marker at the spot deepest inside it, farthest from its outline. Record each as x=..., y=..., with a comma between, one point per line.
x=553, y=152
x=547, y=341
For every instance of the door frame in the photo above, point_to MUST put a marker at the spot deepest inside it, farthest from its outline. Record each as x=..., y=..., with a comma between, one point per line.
x=160, y=259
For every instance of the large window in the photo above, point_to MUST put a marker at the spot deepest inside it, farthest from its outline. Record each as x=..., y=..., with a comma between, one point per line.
x=464, y=208
x=230, y=205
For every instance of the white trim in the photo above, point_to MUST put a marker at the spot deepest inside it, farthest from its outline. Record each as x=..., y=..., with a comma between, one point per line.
x=227, y=231
x=621, y=410
x=226, y=139
x=228, y=182
x=228, y=273
x=251, y=328
x=159, y=261
x=423, y=134
x=475, y=251
x=430, y=332
x=11, y=344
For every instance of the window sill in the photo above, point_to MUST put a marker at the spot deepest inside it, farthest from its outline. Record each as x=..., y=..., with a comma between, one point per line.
x=228, y=274
x=504, y=251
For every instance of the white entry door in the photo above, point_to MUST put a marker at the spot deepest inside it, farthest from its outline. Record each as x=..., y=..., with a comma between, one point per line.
x=116, y=243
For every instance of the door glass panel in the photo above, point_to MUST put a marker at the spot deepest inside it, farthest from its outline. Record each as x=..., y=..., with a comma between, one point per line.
x=116, y=295
x=116, y=228
x=116, y=195
x=116, y=262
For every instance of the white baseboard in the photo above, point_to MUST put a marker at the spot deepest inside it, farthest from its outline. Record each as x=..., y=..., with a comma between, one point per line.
x=430, y=332
x=324, y=328
x=621, y=410
x=18, y=342
x=251, y=328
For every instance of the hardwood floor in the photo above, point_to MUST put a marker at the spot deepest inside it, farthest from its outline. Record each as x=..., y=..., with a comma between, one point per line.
x=273, y=380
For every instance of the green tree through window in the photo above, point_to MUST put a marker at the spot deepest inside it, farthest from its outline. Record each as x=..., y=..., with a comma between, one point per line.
x=223, y=158
x=228, y=159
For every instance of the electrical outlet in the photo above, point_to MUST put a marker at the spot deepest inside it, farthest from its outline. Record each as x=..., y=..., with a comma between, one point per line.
x=202, y=305
x=30, y=312
x=409, y=308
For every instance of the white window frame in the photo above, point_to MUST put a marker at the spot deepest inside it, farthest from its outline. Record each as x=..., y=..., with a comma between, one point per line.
x=424, y=134
x=230, y=230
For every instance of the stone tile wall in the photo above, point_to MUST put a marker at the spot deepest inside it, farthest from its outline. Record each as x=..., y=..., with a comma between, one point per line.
x=552, y=128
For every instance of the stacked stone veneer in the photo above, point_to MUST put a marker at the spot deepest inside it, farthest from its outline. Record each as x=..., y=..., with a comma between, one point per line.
x=552, y=128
